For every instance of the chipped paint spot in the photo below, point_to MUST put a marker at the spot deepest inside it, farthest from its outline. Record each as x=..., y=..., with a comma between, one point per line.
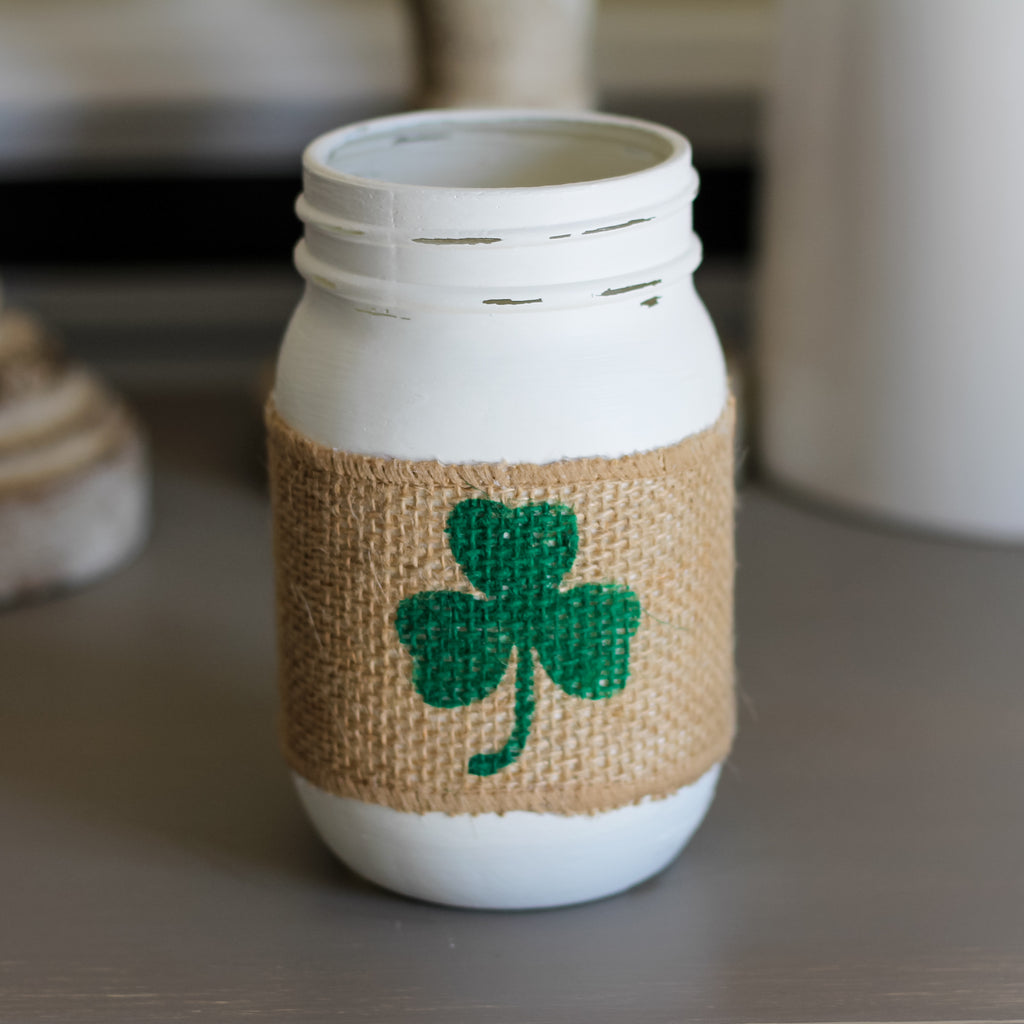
x=400, y=140
x=560, y=236
x=615, y=227
x=652, y=301
x=630, y=287
x=510, y=302
x=377, y=312
x=456, y=241
x=324, y=282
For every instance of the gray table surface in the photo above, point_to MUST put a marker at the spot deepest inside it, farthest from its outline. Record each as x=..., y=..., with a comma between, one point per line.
x=864, y=860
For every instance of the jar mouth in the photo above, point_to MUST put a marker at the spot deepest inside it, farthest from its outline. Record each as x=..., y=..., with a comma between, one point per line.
x=497, y=202
x=493, y=150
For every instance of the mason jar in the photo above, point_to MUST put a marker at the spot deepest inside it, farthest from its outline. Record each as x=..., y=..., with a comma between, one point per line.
x=501, y=466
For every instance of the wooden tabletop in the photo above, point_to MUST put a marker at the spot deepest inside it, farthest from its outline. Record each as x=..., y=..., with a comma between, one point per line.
x=864, y=859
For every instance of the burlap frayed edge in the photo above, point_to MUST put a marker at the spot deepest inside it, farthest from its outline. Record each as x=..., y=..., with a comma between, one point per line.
x=659, y=462
x=565, y=801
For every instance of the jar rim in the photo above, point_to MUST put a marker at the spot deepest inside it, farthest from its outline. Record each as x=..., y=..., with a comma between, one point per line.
x=657, y=151
x=606, y=234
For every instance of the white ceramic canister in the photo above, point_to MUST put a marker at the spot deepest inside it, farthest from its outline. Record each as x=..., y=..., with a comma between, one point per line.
x=488, y=290
x=890, y=355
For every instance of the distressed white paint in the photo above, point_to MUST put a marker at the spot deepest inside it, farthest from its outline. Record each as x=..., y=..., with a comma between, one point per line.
x=395, y=350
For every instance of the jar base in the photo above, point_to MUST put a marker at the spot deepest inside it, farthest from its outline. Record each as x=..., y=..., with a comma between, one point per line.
x=515, y=861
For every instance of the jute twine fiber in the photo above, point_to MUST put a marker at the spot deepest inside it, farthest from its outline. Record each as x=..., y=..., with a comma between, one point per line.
x=355, y=536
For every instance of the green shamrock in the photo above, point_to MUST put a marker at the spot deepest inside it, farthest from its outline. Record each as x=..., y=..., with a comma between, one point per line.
x=461, y=644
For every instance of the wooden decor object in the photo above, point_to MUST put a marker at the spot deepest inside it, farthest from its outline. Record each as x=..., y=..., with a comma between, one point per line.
x=74, y=479
x=493, y=53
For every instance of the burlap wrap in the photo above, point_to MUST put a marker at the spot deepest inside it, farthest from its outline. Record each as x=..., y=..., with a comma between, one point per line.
x=355, y=535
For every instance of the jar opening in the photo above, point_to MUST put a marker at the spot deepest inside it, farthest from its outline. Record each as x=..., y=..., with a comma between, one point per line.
x=500, y=151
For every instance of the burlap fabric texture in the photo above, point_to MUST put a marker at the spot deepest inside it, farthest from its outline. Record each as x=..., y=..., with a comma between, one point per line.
x=356, y=537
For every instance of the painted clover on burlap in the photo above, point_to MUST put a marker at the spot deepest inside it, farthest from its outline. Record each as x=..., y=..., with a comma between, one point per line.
x=461, y=643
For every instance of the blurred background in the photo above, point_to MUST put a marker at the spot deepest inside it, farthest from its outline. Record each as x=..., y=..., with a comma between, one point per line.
x=149, y=155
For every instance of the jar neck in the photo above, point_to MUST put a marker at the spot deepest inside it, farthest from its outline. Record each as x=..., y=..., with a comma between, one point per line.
x=515, y=229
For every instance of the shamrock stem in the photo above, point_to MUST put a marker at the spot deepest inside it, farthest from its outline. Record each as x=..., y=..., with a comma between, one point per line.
x=488, y=764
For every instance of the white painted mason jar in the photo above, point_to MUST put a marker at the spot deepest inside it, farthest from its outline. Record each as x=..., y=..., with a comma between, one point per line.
x=484, y=289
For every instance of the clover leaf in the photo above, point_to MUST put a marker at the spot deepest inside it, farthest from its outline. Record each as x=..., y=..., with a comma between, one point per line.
x=461, y=644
